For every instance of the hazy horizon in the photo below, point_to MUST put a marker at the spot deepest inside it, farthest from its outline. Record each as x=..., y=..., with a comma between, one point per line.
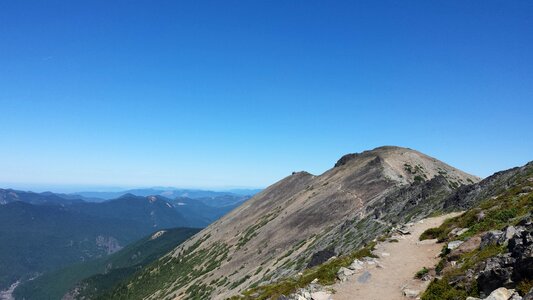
x=58, y=188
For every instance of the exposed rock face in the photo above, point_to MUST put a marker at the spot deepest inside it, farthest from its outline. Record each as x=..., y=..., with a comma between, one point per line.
x=470, y=195
x=109, y=244
x=496, y=272
x=506, y=270
x=494, y=237
x=278, y=231
x=345, y=159
x=320, y=257
x=521, y=248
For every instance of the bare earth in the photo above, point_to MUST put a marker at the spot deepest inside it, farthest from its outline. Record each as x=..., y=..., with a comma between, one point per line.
x=400, y=262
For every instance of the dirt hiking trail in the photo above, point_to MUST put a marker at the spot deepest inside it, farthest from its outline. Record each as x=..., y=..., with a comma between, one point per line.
x=393, y=275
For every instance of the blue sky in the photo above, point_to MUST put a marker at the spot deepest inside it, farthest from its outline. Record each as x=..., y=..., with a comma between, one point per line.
x=240, y=93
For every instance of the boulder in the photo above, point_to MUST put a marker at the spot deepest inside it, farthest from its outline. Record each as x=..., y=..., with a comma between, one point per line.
x=500, y=294
x=409, y=293
x=369, y=260
x=523, y=267
x=454, y=244
x=356, y=265
x=403, y=231
x=516, y=296
x=469, y=245
x=493, y=237
x=495, y=272
x=344, y=273
x=510, y=232
x=321, y=296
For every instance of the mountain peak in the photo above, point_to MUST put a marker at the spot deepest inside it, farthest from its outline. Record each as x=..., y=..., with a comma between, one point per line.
x=388, y=150
x=314, y=211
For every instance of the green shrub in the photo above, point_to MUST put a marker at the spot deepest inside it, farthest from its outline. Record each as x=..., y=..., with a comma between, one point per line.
x=421, y=273
x=432, y=233
x=441, y=290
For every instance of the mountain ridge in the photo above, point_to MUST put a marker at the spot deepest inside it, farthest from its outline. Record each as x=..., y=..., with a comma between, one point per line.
x=285, y=223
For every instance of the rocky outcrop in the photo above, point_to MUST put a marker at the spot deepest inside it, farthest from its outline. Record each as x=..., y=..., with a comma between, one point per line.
x=470, y=195
x=109, y=244
x=512, y=267
x=504, y=270
x=321, y=257
x=345, y=159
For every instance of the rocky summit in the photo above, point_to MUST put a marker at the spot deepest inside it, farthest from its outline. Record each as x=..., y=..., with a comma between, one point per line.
x=301, y=221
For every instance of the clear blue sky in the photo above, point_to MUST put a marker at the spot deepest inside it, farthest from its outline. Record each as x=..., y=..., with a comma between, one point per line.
x=241, y=93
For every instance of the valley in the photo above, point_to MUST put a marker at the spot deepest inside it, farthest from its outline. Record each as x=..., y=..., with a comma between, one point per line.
x=57, y=238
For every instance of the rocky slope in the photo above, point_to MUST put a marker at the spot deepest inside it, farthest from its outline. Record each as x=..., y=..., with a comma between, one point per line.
x=301, y=219
x=489, y=248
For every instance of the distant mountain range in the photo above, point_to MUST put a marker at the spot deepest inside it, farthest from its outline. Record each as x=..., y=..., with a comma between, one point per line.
x=169, y=193
x=42, y=232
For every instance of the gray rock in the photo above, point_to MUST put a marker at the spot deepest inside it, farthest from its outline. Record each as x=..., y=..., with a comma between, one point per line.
x=369, y=260
x=344, y=273
x=510, y=232
x=493, y=237
x=356, y=265
x=495, y=272
x=364, y=278
x=500, y=294
x=516, y=296
x=409, y=293
x=321, y=296
x=454, y=244
x=403, y=231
